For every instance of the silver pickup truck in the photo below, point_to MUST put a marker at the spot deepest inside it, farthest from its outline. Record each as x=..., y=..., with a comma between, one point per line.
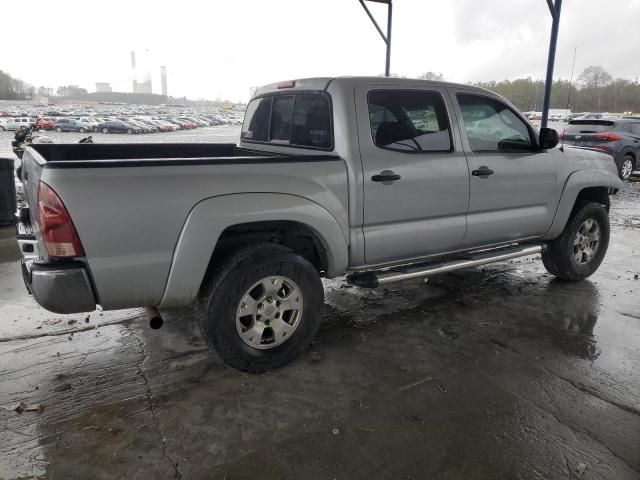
x=382, y=179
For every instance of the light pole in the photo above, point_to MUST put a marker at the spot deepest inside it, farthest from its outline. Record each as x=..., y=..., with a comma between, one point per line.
x=554, y=8
x=386, y=38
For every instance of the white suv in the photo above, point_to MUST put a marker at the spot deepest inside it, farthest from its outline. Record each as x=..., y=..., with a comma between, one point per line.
x=19, y=123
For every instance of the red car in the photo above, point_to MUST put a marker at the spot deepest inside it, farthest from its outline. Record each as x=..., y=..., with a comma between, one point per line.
x=45, y=124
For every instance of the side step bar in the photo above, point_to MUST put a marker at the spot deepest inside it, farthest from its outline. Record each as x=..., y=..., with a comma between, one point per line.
x=383, y=277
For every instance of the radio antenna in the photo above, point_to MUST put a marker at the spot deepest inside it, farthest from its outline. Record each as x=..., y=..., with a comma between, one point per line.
x=575, y=49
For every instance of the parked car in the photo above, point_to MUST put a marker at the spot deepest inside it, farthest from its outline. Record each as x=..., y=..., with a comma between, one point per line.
x=146, y=128
x=88, y=124
x=118, y=126
x=619, y=138
x=68, y=125
x=19, y=123
x=381, y=178
x=45, y=123
x=3, y=124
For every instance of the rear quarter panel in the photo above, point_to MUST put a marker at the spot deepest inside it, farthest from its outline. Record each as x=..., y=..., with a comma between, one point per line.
x=129, y=219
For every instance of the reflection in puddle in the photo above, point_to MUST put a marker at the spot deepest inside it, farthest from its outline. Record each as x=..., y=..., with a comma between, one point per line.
x=577, y=309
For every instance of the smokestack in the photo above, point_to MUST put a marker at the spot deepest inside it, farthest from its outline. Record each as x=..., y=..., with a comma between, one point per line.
x=134, y=80
x=147, y=73
x=163, y=79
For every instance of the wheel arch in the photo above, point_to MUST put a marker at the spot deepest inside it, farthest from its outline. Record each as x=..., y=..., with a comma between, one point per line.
x=216, y=225
x=582, y=185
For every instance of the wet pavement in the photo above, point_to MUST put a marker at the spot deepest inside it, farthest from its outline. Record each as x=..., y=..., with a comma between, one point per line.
x=499, y=372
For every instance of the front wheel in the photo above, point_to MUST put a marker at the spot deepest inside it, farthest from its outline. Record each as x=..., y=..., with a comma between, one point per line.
x=129, y=131
x=58, y=129
x=626, y=168
x=105, y=130
x=82, y=130
x=579, y=250
x=261, y=307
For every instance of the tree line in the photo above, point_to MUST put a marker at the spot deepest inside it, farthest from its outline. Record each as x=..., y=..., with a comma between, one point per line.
x=595, y=90
x=16, y=89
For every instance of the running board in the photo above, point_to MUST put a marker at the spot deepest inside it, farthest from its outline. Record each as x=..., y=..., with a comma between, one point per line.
x=473, y=259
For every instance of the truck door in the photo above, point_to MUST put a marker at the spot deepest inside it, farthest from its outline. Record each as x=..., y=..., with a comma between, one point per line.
x=415, y=174
x=513, y=188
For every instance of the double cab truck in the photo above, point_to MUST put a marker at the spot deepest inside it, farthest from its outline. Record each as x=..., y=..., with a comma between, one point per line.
x=377, y=178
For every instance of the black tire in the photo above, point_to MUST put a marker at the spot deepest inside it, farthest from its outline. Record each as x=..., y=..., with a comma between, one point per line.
x=627, y=158
x=558, y=257
x=224, y=289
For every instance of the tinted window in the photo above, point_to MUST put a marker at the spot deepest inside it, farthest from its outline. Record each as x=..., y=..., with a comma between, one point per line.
x=311, y=121
x=281, y=116
x=491, y=126
x=302, y=120
x=409, y=120
x=635, y=128
x=586, y=126
x=256, y=120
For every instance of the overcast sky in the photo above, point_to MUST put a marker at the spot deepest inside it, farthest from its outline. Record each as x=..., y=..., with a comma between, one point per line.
x=220, y=48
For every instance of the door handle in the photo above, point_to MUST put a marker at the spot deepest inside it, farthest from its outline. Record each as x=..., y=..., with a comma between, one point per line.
x=386, y=177
x=483, y=171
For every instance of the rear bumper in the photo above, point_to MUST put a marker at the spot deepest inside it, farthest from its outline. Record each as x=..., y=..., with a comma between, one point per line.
x=60, y=288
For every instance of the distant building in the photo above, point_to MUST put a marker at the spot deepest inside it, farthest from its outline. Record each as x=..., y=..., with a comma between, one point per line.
x=142, y=87
x=102, y=87
x=163, y=80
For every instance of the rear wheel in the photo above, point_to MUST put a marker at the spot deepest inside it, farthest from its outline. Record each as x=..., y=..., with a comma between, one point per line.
x=58, y=129
x=627, y=166
x=129, y=131
x=261, y=307
x=105, y=130
x=579, y=250
x=82, y=130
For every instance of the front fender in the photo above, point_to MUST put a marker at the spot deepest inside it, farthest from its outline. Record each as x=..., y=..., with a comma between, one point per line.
x=576, y=182
x=209, y=218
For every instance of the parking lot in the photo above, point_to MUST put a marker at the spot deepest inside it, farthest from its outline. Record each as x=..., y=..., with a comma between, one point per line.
x=494, y=372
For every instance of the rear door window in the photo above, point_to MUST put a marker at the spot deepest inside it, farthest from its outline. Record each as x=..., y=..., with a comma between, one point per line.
x=302, y=119
x=409, y=121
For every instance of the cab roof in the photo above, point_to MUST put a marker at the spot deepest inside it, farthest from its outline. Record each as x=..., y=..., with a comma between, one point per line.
x=322, y=83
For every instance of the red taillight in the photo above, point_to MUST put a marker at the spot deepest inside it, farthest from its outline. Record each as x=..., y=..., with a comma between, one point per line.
x=608, y=137
x=58, y=233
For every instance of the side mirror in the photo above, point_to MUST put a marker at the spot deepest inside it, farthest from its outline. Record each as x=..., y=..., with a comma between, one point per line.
x=548, y=138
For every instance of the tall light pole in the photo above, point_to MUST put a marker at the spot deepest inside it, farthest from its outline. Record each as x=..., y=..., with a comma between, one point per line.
x=554, y=8
x=386, y=38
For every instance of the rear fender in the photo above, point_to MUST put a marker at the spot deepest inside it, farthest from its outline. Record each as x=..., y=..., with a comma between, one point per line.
x=209, y=218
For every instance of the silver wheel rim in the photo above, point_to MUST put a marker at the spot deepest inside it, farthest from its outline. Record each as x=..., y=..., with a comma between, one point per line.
x=586, y=242
x=627, y=166
x=269, y=312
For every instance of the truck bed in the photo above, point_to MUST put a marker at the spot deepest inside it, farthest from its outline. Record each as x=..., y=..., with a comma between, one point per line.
x=94, y=155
